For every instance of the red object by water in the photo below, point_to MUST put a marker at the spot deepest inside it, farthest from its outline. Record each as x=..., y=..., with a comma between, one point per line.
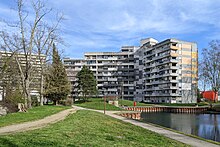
x=135, y=103
x=210, y=95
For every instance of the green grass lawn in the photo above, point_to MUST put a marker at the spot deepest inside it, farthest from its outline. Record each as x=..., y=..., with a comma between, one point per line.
x=32, y=114
x=87, y=128
x=178, y=104
x=131, y=103
x=96, y=103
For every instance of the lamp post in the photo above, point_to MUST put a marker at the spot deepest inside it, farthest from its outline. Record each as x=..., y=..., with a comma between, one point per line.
x=104, y=104
x=105, y=94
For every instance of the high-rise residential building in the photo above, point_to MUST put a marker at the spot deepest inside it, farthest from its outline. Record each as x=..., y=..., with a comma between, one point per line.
x=170, y=71
x=153, y=72
x=114, y=71
x=36, y=61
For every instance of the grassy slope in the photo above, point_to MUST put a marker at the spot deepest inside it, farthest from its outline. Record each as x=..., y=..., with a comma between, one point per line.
x=96, y=103
x=190, y=104
x=32, y=114
x=86, y=128
x=131, y=103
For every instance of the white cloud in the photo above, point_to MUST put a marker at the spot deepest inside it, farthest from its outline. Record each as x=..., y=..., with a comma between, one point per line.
x=105, y=24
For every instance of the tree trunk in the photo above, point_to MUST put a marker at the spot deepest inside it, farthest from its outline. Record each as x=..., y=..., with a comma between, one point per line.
x=42, y=90
x=27, y=93
x=55, y=102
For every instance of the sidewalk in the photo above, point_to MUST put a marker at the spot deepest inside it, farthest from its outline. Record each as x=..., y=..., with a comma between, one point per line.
x=36, y=124
x=170, y=134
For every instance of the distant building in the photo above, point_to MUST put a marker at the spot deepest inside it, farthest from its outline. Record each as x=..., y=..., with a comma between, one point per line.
x=36, y=65
x=158, y=72
x=210, y=95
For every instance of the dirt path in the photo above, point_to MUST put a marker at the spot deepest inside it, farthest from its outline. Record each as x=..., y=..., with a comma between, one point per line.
x=36, y=124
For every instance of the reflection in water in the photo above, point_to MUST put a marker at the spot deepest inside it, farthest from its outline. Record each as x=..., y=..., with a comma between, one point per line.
x=202, y=125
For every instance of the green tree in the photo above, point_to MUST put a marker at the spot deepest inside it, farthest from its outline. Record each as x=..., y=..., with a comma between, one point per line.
x=57, y=86
x=86, y=83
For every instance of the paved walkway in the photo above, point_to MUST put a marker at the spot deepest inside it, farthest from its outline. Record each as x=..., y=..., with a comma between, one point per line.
x=36, y=124
x=170, y=134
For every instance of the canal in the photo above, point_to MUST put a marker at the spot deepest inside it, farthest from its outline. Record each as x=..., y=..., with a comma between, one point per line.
x=203, y=125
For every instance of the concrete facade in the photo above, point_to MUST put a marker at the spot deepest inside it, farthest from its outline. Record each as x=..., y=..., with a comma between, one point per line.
x=36, y=66
x=157, y=72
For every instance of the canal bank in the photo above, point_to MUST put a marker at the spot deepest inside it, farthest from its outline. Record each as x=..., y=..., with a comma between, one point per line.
x=206, y=126
x=170, y=134
x=195, y=121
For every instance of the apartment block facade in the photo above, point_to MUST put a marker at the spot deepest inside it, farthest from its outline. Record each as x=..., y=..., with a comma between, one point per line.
x=114, y=71
x=155, y=71
x=36, y=61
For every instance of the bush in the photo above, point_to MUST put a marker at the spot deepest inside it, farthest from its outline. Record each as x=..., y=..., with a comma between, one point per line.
x=34, y=101
x=12, y=99
x=67, y=102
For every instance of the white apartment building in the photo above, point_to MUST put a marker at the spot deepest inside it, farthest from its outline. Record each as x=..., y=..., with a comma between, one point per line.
x=36, y=61
x=114, y=71
x=157, y=72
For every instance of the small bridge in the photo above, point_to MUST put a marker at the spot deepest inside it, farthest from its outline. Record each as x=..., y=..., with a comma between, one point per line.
x=168, y=109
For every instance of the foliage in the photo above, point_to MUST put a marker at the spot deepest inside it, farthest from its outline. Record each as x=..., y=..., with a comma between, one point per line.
x=87, y=84
x=97, y=130
x=12, y=99
x=67, y=102
x=34, y=101
x=12, y=94
x=57, y=86
x=32, y=114
x=199, y=95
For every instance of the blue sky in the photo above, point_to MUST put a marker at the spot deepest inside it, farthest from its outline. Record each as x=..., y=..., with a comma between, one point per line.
x=106, y=25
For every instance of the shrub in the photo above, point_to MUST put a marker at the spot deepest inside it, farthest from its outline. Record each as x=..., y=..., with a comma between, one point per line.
x=34, y=101
x=12, y=99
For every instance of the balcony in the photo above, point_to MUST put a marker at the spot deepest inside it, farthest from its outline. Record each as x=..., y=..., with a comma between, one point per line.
x=112, y=79
x=174, y=60
x=174, y=54
x=111, y=69
x=174, y=47
x=174, y=74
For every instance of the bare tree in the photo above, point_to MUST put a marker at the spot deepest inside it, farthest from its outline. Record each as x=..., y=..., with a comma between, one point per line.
x=211, y=64
x=203, y=80
x=45, y=37
x=34, y=35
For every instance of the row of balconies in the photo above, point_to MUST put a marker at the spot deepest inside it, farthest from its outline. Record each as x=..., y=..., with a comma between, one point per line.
x=163, y=94
x=162, y=75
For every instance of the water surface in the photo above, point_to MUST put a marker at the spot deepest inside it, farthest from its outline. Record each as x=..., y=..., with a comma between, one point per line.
x=203, y=125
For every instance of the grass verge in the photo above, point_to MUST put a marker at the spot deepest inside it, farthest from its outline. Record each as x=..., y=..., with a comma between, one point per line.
x=178, y=104
x=87, y=128
x=32, y=114
x=96, y=103
x=131, y=103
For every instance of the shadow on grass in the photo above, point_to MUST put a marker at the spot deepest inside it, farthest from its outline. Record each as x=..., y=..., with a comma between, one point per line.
x=7, y=142
x=82, y=101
